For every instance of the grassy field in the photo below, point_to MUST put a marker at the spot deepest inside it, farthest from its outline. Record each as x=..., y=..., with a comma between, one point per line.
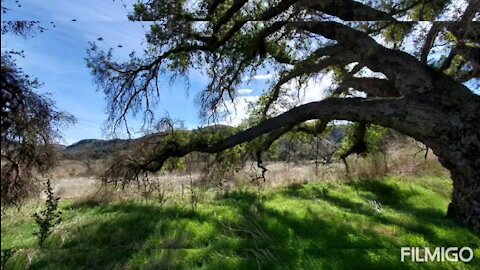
x=361, y=225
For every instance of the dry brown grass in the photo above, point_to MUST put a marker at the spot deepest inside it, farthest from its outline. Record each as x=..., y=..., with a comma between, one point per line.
x=101, y=196
x=79, y=168
x=406, y=158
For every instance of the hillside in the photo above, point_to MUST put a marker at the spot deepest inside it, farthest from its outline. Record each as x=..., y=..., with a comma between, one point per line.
x=94, y=148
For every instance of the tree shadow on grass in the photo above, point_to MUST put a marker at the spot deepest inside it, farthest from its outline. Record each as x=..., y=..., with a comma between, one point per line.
x=315, y=243
x=111, y=242
x=427, y=217
x=286, y=240
x=239, y=230
x=425, y=220
x=131, y=235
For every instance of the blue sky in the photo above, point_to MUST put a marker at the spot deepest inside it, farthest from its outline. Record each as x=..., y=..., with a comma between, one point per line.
x=56, y=57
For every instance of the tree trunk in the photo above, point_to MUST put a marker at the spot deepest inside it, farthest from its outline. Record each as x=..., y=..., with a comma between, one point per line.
x=465, y=204
x=458, y=149
x=463, y=162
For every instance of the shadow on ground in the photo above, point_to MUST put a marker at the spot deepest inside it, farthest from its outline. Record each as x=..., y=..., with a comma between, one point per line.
x=302, y=227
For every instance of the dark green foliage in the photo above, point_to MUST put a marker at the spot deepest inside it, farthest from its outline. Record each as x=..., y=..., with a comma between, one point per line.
x=7, y=254
x=49, y=217
x=375, y=136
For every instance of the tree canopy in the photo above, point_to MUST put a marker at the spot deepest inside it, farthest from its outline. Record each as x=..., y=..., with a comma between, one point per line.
x=426, y=52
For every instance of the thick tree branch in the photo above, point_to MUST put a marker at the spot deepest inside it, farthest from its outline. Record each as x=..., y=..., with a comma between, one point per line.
x=429, y=40
x=390, y=62
x=471, y=10
x=348, y=10
x=393, y=112
x=409, y=76
x=371, y=86
x=463, y=30
x=236, y=5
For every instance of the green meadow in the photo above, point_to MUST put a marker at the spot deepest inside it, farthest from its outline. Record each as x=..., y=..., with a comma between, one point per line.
x=331, y=225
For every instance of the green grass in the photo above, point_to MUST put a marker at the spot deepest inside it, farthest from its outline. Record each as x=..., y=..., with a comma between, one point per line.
x=311, y=226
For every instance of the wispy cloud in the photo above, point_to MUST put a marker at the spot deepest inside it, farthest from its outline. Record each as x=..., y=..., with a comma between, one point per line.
x=314, y=90
x=245, y=91
x=259, y=77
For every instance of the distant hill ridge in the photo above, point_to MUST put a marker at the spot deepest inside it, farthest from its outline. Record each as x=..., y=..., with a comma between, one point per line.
x=94, y=142
x=99, y=148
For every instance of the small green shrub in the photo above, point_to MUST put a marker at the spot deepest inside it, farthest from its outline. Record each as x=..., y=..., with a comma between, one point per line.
x=194, y=196
x=49, y=217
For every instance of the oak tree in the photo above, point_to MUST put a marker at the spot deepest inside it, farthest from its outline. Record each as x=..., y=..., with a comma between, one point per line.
x=426, y=52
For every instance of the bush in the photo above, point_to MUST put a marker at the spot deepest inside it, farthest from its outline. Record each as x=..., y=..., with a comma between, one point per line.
x=49, y=217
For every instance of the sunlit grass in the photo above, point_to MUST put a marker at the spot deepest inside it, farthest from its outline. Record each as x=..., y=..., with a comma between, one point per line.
x=361, y=225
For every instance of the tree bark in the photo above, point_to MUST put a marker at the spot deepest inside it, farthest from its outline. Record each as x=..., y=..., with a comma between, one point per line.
x=457, y=145
x=460, y=154
x=465, y=204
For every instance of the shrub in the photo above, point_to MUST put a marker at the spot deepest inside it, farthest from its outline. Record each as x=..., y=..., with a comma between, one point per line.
x=49, y=217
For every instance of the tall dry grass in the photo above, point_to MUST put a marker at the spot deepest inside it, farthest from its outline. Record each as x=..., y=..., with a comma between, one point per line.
x=80, y=179
x=405, y=158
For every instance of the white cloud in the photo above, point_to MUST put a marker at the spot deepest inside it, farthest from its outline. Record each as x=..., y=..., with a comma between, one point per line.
x=314, y=90
x=259, y=77
x=245, y=91
x=238, y=110
x=366, y=72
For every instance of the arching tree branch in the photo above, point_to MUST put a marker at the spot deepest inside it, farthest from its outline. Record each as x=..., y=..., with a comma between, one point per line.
x=352, y=109
x=371, y=86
